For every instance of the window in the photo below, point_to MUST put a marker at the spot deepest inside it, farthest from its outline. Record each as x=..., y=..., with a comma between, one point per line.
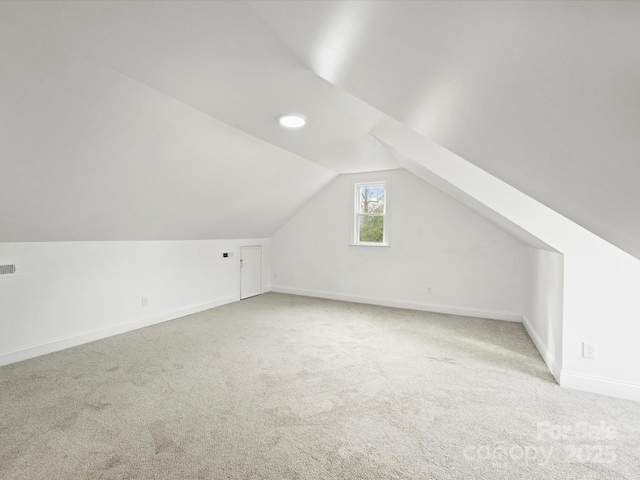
x=370, y=211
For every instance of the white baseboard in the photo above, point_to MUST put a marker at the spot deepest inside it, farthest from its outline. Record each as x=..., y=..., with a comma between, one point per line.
x=547, y=356
x=601, y=386
x=451, y=310
x=74, y=340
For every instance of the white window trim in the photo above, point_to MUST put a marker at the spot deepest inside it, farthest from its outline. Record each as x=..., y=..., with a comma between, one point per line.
x=355, y=213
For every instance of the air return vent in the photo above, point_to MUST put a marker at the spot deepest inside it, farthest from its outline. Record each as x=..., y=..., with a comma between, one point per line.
x=6, y=270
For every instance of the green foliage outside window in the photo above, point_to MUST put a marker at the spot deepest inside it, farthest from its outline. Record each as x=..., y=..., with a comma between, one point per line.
x=372, y=229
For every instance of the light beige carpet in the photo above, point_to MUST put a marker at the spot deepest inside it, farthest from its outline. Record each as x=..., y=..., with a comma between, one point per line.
x=286, y=387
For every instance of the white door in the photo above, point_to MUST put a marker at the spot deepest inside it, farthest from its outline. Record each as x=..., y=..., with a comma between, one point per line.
x=250, y=271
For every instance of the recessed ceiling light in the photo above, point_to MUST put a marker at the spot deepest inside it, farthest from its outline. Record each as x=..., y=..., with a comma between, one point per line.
x=292, y=121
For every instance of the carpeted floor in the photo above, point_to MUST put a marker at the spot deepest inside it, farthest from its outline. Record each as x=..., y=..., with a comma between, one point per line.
x=286, y=387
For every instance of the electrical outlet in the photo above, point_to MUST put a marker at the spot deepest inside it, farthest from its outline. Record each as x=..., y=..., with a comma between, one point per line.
x=429, y=290
x=588, y=350
x=145, y=301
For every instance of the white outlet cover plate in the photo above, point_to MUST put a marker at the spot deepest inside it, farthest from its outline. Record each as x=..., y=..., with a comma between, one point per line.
x=589, y=350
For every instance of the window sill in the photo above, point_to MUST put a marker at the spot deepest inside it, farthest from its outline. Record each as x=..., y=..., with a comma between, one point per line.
x=373, y=246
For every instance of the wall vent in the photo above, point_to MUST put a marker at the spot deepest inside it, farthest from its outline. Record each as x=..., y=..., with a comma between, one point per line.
x=6, y=270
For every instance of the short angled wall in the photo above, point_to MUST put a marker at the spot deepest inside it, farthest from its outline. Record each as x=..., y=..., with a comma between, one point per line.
x=543, y=305
x=70, y=293
x=553, y=363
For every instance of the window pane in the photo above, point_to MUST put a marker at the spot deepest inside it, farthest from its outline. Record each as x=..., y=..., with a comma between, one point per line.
x=371, y=228
x=372, y=199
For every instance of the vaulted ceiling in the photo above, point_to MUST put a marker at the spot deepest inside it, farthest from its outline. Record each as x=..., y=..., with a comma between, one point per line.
x=150, y=120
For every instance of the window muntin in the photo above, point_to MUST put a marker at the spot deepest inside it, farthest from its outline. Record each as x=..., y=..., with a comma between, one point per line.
x=370, y=213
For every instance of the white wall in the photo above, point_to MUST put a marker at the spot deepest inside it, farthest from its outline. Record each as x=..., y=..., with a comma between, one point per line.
x=601, y=306
x=543, y=304
x=68, y=293
x=473, y=267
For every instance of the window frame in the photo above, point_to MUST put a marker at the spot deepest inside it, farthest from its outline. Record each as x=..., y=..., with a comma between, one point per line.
x=356, y=214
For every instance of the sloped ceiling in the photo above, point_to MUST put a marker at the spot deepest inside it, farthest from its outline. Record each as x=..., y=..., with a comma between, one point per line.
x=145, y=120
x=543, y=95
x=88, y=154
